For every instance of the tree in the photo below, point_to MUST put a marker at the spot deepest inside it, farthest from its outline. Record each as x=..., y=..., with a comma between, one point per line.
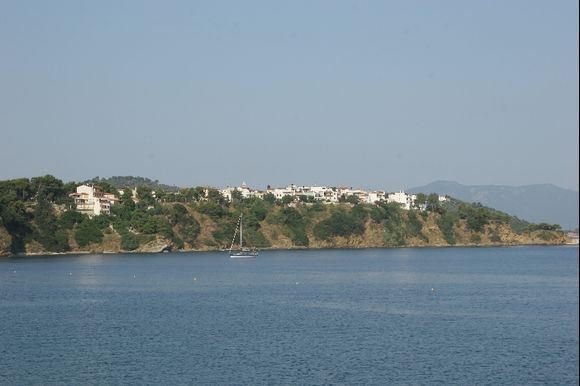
x=433, y=204
x=258, y=209
x=88, y=232
x=414, y=225
x=215, y=196
x=341, y=223
x=420, y=199
x=129, y=241
x=445, y=224
x=145, y=196
x=294, y=226
x=47, y=231
x=52, y=188
x=351, y=199
x=69, y=219
x=237, y=196
x=190, y=232
x=287, y=200
x=269, y=198
x=179, y=215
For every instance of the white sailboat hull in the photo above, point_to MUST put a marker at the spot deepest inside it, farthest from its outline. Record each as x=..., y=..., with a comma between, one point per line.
x=243, y=255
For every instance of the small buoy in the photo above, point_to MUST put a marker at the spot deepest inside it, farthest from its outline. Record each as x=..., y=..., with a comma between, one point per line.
x=195, y=278
x=432, y=289
x=70, y=273
x=134, y=276
x=297, y=283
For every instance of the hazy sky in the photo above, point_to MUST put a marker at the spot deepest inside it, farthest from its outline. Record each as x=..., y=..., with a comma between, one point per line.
x=372, y=94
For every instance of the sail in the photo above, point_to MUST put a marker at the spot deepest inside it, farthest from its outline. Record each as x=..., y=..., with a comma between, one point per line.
x=243, y=252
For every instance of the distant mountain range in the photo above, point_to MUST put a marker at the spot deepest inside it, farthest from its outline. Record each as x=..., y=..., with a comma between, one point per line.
x=536, y=203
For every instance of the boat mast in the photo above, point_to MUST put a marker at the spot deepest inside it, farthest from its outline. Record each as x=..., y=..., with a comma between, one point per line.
x=241, y=230
x=235, y=234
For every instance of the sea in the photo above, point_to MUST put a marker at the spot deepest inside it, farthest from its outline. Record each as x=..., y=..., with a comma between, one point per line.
x=441, y=316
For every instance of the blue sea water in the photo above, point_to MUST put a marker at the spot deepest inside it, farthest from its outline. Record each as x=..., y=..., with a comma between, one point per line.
x=464, y=316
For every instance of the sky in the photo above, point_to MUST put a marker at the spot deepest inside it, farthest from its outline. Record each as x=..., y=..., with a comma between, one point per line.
x=369, y=94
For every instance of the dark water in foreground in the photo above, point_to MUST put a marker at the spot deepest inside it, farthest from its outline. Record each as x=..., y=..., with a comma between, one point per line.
x=392, y=316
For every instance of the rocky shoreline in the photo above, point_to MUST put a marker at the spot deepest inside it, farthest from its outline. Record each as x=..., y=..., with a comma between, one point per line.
x=164, y=249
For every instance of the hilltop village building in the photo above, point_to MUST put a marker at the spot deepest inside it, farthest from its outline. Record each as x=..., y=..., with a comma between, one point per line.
x=91, y=200
x=328, y=194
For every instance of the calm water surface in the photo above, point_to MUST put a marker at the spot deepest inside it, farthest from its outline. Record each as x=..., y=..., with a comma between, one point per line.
x=391, y=316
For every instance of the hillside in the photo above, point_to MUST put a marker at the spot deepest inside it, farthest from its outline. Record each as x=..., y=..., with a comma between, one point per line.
x=535, y=203
x=37, y=216
x=131, y=182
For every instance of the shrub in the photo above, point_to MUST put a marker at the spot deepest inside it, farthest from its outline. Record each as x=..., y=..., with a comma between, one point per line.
x=190, y=232
x=475, y=238
x=414, y=225
x=88, y=232
x=445, y=224
x=129, y=241
x=340, y=223
x=212, y=209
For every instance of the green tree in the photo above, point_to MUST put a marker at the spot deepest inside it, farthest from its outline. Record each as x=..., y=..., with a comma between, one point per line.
x=340, y=223
x=179, y=215
x=287, y=200
x=543, y=226
x=351, y=199
x=69, y=219
x=47, y=232
x=145, y=196
x=52, y=188
x=237, y=196
x=294, y=226
x=88, y=232
x=269, y=198
x=433, y=204
x=212, y=209
x=259, y=210
x=414, y=225
x=445, y=224
x=129, y=241
x=420, y=199
x=215, y=196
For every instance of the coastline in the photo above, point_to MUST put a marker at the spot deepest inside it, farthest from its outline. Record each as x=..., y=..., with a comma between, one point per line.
x=434, y=246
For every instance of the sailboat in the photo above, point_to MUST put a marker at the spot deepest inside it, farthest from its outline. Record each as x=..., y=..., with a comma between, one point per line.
x=243, y=253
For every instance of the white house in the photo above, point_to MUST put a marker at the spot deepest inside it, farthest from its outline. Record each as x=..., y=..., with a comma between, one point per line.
x=243, y=189
x=401, y=198
x=91, y=200
x=375, y=196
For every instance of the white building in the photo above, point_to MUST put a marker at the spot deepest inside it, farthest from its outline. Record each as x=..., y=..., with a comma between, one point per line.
x=281, y=192
x=243, y=189
x=91, y=200
x=375, y=196
x=328, y=194
x=401, y=198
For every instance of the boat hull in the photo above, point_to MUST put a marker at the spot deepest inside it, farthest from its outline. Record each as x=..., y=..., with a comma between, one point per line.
x=243, y=256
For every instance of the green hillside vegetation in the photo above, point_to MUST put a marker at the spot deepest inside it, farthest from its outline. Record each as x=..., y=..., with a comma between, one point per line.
x=37, y=215
x=131, y=182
